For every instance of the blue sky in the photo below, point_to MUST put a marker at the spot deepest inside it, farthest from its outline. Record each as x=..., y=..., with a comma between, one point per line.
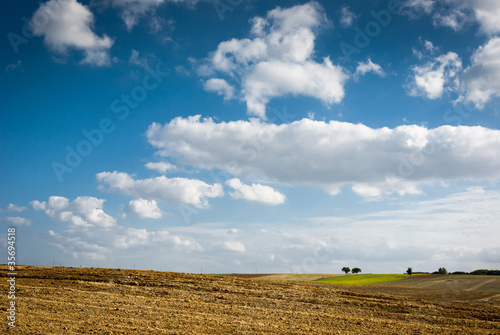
x=243, y=136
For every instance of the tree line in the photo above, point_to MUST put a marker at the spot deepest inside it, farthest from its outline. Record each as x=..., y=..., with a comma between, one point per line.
x=443, y=271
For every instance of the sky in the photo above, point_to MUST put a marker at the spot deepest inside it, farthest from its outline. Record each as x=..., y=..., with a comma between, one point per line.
x=251, y=136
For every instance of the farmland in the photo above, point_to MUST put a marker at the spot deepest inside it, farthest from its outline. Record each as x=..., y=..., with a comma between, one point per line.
x=336, y=279
x=58, y=300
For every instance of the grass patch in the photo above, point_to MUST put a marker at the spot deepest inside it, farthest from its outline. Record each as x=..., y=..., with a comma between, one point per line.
x=292, y=277
x=363, y=279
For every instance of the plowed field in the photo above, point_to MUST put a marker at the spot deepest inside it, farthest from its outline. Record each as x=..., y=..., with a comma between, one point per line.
x=111, y=301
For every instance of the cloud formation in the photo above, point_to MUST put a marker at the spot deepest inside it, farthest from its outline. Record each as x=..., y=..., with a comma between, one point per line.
x=332, y=154
x=234, y=246
x=437, y=76
x=161, y=167
x=347, y=17
x=99, y=244
x=67, y=24
x=170, y=190
x=481, y=80
x=12, y=208
x=145, y=209
x=132, y=11
x=276, y=61
x=456, y=13
x=368, y=66
x=255, y=192
x=90, y=210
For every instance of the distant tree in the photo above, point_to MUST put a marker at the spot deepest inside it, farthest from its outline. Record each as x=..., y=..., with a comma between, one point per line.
x=356, y=270
x=482, y=272
x=346, y=269
x=442, y=271
x=409, y=271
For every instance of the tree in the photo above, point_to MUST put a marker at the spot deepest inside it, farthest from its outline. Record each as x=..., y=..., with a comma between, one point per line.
x=356, y=270
x=442, y=271
x=346, y=269
x=409, y=271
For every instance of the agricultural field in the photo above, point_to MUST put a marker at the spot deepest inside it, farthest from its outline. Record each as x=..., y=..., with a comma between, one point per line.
x=369, y=279
x=58, y=300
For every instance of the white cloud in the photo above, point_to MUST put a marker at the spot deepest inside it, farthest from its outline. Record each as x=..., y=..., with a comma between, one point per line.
x=481, y=80
x=98, y=244
x=171, y=190
x=12, y=208
x=67, y=24
x=89, y=208
x=133, y=237
x=456, y=13
x=414, y=8
x=426, y=48
x=368, y=66
x=255, y=192
x=16, y=220
x=458, y=231
x=131, y=11
x=331, y=155
x=276, y=61
x=432, y=79
x=145, y=209
x=234, y=246
x=161, y=167
x=454, y=18
x=487, y=13
x=347, y=17
x=220, y=86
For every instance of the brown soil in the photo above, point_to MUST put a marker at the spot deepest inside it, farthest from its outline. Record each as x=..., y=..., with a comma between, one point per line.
x=112, y=301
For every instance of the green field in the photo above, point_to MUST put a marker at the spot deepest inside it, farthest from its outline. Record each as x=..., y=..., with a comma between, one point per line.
x=293, y=277
x=362, y=279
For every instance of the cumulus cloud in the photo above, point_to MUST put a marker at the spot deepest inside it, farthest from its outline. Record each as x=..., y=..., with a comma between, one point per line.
x=276, y=61
x=347, y=17
x=220, y=86
x=90, y=211
x=332, y=154
x=486, y=13
x=145, y=209
x=67, y=24
x=12, y=208
x=170, y=190
x=234, y=246
x=368, y=66
x=432, y=79
x=161, y=167
x=481, y=80
x=255, y=192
